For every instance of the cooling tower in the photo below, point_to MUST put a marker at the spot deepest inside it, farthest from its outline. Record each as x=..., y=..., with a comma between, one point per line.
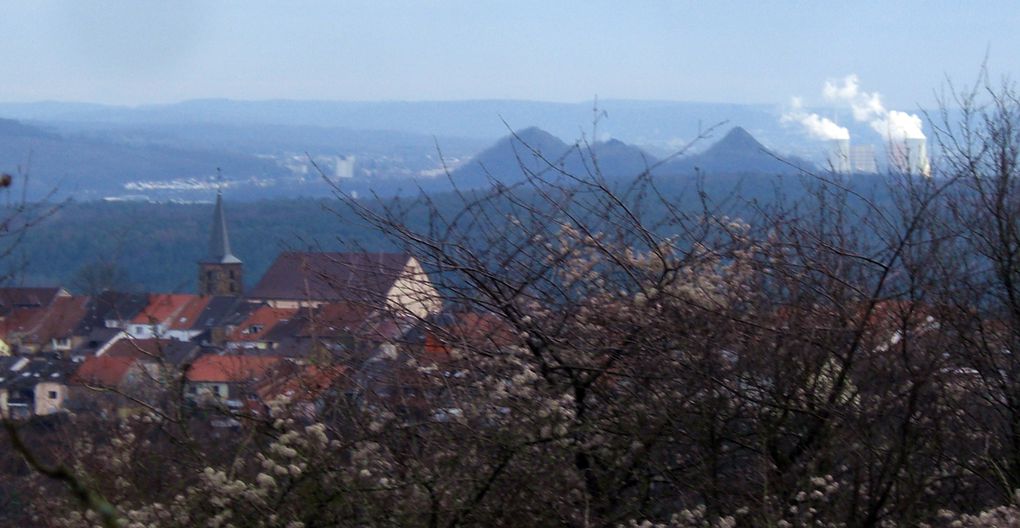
x=917, y=156
x=862, y=159
x=910, y=156
x=839, y=156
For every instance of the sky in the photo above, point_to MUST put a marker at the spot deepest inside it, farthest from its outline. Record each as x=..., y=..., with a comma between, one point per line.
x=754, y=51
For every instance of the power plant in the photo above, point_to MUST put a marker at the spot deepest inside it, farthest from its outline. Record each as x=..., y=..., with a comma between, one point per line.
x=844, y=158
x=862, y=159
x=910, y=156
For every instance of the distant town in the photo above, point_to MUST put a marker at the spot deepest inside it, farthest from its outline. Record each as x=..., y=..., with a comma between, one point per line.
x=312, y=319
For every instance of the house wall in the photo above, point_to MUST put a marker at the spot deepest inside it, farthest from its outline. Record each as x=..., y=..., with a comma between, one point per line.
x=63, y=345
x=291, y=304
x=44, y=403
x=221, y=390
x=414, y=292
x=145, y=331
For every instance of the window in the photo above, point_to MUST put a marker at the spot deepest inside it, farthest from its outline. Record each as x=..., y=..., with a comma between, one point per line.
x=52, y=395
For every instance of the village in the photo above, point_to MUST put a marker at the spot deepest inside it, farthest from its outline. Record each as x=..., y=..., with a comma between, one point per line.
x=316, y=325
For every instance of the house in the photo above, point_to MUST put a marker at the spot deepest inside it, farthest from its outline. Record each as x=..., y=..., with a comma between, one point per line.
x=94, y=340
x=344, y=332
x=18, y=297
x=168, y=315
x=167, y=352
x=226, y=379
x=455, y=333
x=113, y=385
x=50, y=328
x=112, y=309
x=303, y=387
x=392, y=281
x=253, y=331
x=219, y=318
x=33, y=386
x=412, y=375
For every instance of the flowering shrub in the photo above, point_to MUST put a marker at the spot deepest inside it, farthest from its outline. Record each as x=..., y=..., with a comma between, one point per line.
x=833, y=362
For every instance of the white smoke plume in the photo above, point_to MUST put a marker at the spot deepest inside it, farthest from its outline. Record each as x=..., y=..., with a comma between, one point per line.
x=867, y=107
x=816, y=125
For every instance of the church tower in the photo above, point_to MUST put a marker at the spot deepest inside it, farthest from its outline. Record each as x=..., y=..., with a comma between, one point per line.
x=220, y=272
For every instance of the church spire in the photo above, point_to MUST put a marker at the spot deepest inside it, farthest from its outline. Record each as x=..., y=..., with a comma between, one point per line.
x=221, y=272
x=219, y=242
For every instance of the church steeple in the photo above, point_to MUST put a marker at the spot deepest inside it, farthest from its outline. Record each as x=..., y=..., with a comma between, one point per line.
x=220, y=272
x=219, y=242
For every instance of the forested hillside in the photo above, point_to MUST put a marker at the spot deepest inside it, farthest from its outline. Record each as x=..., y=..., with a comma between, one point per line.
x=157, y=245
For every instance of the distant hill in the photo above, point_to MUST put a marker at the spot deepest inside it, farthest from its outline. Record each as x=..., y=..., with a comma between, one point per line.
x=660, y=127
x=738, y=152
x=533, y=150
x=529, y=150
x=11, y=129
x=90, y=168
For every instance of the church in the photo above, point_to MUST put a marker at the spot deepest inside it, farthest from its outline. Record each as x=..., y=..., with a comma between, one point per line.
x=394, y=281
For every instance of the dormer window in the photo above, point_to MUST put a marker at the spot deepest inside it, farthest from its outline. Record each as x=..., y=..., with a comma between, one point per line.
x=253, y=329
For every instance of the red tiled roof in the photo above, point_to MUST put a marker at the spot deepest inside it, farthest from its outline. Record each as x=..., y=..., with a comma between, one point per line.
x=137, y=348
x=302, y=383
x=360, y=277
x=63, y=317
x=260, y=322
x=163, y=306
x=188, y=315
x=40, y=324
x=20, y=322
x=228, y=369
x=104, y=371
x=473, y=330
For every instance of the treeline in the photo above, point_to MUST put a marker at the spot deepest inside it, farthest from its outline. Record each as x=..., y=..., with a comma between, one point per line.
x=155, y=245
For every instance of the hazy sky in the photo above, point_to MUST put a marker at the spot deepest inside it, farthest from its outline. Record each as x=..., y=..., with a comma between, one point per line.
x=140, y=51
